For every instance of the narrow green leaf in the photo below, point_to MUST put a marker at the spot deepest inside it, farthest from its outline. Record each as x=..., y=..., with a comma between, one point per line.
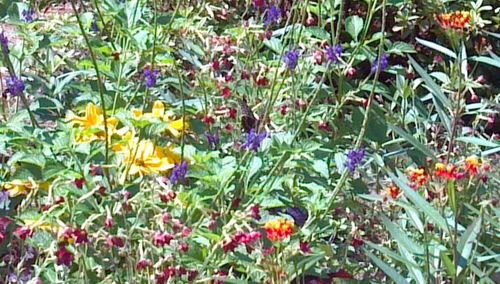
x=437, y=47
x=486, y=60
x=466, y=243
x=414, y=270
x=401, y=238
x=389, y=253
x=478, y=141
x=391, y=272
x=421, y=147
x=418, y=200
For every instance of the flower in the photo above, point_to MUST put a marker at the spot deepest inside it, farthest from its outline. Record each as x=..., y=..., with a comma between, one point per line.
x=4, y=42
x=64, y=257
x=472, y=164
x=174, y=127
x=273, y=16
x=28, y=15
x=418, y=176
x=354, y=158
x=456, y=20
x=24, y=232
x=241, y=238
x=255, y=212
x=4, y=200
x=15, y=85
x=279, y=229
x=150, y=77
x=254, y=140
x=299, y=215
x=145, y=158
x=305, y=247
x=95, y=27
x=445, y=171
x=20, y=187
x=179, y=172
x=115, y=241
x=291, y=59
x=393, y=191
x=213, y=140
x=384, y=63
x=143, y=264
x=92, y=124
x=333, y=53
x=226, y=93
x=162, y=239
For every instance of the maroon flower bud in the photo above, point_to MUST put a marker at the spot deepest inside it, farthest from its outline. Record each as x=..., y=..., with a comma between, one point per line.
x=109, y=222
x=166, y=218
x=352, y=72
x=304, y=247
x=115, y=241
x=64, y=257
x=143, y=264
x=79, y=182
x=184, y=247
x=256, y=212
x=23, y=232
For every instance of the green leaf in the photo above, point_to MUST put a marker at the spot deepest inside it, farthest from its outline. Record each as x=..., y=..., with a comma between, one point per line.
x=255, y=166
x=274, y=44
x=418, y=200
x=437, y=47
x=318, y=33
x=389, y=253
x=401, y=238
x=421, y=147
x=466, y=242
x=400, y=48
x=486, y=60
x=354, y=25
x=391, y=272
x=439, y=98
x=478, y=141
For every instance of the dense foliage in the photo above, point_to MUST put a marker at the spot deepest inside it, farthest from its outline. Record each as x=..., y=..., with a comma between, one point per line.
x=249, y=141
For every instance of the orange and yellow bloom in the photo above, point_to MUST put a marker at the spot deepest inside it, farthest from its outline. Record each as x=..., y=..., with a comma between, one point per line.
x=145, y=158
x=445, y=171
x=418, y=176
x=393, y=191
x=92, y=124
x=455, y=20
x=472, y=165
x=279, y=229
x=175, y=126
x=20, y=187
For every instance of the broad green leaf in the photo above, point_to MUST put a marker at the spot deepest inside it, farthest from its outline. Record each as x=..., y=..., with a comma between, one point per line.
x=274, y=44
x=400, y=48
x=391, y=272
x=255, y=166
x=418, y=200
x=466, y=243
x=354, y=25
x=437, y=47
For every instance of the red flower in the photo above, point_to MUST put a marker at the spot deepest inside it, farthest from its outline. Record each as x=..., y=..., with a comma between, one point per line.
x=208, y=119
x=115, y=241
x=79, y=182
x=23, y=232
x=216, y=65
x=357, y=242
x=167, y=196
x=304, y=247
x=226, y=93
x=109, y=222
x=256, y=211
x=342, y=274
x=143, y=264
x=162, y=239
x=64, y=257
x=232, y=113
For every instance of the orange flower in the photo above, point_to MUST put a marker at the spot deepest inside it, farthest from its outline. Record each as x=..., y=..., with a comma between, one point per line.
x=456, y=20
x=393, y=191
x=472, y=164
x=445, y=171
x=418, y=176
x=279, y=229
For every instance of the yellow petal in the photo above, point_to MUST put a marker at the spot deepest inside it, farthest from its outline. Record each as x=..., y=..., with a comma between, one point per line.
x=158, y=109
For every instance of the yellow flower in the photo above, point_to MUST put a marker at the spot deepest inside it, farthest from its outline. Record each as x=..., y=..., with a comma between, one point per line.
x=174, y=127
x=20, y=187
x=92, y=124
x=145, y=158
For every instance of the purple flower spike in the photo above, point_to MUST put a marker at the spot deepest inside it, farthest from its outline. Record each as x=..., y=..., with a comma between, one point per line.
x=333, y=53
x=213, y=139
x=254, y=140
x=179, y=172
x=15, y=86
x=4, y=42
x=384, y=63
x=291, y=59
x=273, y=16
x=150, y=77
x=354, y=158
x=95, y=27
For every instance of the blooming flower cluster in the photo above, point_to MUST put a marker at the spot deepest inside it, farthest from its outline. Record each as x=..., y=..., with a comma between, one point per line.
x=354, y=159
x=150, y=77
x=254, y=140
x=455, y=20
x=291, y=59
x=273, y=16
x=418, y=176
x=333, y=53
x=384, y=64
x=179, y=172
x=279, y=229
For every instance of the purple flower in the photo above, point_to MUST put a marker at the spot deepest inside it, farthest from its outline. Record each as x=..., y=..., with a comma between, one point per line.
x=15, y=86
x=384, y=63
x=254, y=140
x=179, y=172
x=333, y=53
x=299, y=215
x=28, y=15
x=4, y=42
x=213, y=139
x=354, y=158
x=4, y=200
x=273, y=16
x=150, y=76
x=291, y=59
x=95, y=27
